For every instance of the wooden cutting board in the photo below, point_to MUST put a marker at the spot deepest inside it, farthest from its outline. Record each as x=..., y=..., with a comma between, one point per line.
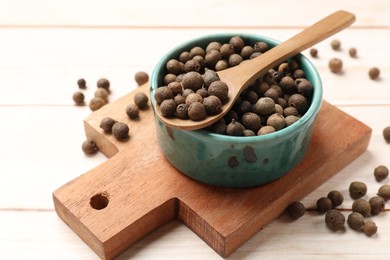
x=137, y=190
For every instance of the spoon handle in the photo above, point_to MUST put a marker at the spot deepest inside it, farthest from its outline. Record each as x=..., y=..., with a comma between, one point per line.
x=308, y=37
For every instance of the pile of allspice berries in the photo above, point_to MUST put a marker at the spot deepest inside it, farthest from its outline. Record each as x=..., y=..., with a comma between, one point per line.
x=109, y=125
x=362, y=208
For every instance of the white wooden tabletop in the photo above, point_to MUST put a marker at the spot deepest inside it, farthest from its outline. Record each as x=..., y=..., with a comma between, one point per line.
x=46, y=45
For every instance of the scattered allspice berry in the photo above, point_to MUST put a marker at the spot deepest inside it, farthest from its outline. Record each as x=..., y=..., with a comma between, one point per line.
x=335, y=44
x=355, y=221
x=352, y=52
x=377, y=205
x=374, y=73
x=314, y=52
x=384, y=192
x=106, y=124
x=102, y=93
x=141, y=77
x=141, y=100
x=370, y=228
x=89, y=147
x=78, y=98
x=357, y=189
x=335, y=65
x=96, y=103
x=103, y=83
x=362, y=206
x=324, y=204
x=82, y=83
x=132, y=111
x=296, y=210
x=120, y=131
x=336, y=197
x=334, y=219
x=381, y=172
x=386, y=134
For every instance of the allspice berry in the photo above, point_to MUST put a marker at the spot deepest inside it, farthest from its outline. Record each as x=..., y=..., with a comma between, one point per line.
x=106, y=124
x=235, y=128
x=141, y=77
x=357, y=189
x=192, y=80
x=182, y=111
x=251, y=121
x=296, y=210
x=384, y=192
x=162, y=93
x=174, y=66
x=212, y=105
x=335, y=65
x=377, y=205
x=291, y=120
x=237, y=42
x=82, y=83
x=132, y=111
x=248, y=132
x=209, y=77
x=334, y=219
x=234, y=59
x=314, y=52
x=261, y=47
x=381, y=172
x=78, y=98
x=336, y=197
x=374, y=73
x=277, y=121
x=219, y=127
x=335, y=44
x=212, y=57
x=141, y=100
x=120, y=131
x=219, y=89
x=362, y=206
x=355, y=221
x=324, y=204
x=89, y=147
x=168, y=108
x=175, y=87
x=264, y=106
x=300, y=102
x=96, y=103
x=352, y=52
x=197, y=111
x=266, y=130
x=370, y=228
x=103, y=83
x=193, y=97
x=386, y=134
x=102, y=93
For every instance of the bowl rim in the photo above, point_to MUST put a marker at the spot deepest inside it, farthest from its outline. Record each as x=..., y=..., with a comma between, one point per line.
x=308, y=66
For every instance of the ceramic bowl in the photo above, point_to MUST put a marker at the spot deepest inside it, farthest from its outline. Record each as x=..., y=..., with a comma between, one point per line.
x=229, y=161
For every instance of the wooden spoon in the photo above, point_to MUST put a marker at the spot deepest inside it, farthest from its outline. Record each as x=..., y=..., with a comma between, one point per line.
x=239, y=77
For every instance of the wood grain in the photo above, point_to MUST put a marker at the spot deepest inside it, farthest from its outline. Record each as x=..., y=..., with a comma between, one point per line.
x=144, y=191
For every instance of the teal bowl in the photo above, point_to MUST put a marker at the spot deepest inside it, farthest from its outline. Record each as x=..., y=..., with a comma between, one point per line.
x=236, y=162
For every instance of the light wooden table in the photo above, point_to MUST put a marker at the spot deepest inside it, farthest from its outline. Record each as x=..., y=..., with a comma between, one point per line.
x=45, y=46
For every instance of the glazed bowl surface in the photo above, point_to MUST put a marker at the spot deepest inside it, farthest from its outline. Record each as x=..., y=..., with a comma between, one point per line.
x=229, y=161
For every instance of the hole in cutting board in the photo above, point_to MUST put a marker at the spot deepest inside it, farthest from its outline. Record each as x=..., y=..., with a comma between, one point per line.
x=99, y=201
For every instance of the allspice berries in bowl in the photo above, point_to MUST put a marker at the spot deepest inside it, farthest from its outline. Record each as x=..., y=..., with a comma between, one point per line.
x=264, y=135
